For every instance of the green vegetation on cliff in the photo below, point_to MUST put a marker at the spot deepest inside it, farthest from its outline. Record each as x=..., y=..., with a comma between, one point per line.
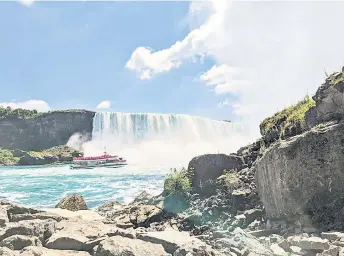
x=56, y=154
x=9, y=112
x=177, y=182
x=293, y=116
x=19, y=112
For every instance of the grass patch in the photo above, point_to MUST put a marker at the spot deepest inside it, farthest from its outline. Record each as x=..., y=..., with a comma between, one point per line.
x=177, y=182
x=228, y=180
x=293, y=115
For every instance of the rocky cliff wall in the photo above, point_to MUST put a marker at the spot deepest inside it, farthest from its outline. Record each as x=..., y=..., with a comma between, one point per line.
x=44, y=131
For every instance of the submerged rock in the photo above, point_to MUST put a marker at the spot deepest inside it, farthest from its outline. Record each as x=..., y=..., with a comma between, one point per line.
x=74, y=202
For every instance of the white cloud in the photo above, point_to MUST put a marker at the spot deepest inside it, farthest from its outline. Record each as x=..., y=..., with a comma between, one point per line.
x=104, y=104
x=38, y=105
x=282, y=48
x=26, y=2
x=223, y=78
x=149, y=63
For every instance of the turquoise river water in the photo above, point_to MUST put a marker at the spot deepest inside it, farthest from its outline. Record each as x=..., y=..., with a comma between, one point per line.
x=45, y=186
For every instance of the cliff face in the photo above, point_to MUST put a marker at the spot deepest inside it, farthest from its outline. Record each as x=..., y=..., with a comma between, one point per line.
x=44, y=131
x=303, y=174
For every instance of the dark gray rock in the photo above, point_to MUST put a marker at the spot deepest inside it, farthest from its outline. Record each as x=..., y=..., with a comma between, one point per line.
x=74, y=202
x=211, y=166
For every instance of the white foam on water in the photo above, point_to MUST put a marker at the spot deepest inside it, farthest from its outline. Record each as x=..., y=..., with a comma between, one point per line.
x=166, y=140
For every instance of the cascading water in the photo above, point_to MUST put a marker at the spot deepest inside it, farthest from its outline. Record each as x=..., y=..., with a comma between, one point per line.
x=136, y=127
x=171, y=139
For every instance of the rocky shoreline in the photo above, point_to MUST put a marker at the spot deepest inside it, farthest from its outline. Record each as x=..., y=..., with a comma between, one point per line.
x=282, y=195
x=143, y=228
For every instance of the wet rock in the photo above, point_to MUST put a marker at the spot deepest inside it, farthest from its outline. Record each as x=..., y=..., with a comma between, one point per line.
x=18, y=242
x=74, y=202
x=117, y=245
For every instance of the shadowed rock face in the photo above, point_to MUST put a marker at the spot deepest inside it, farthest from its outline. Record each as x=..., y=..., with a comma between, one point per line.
x=45, y=131
x=305, y=175
x=211, y=166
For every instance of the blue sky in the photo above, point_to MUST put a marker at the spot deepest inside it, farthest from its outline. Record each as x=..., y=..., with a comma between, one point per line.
x=239, y=60
x=73, y=55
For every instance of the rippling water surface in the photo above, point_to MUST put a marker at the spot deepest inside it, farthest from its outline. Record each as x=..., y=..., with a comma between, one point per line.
x=45, y=186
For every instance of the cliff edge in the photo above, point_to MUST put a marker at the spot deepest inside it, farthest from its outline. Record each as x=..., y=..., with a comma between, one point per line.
x=32, y=131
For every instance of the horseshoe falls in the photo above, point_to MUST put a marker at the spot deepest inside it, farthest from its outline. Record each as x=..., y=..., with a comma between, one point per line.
x=169, y=140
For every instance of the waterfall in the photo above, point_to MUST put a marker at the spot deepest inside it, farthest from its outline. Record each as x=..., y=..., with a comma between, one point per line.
x=135, y=127
x=163, y=139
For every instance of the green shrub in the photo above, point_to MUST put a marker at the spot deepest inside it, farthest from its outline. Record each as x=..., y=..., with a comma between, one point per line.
x=291, y=116
x=6, y=157
x=228, y=180
x=177, y=182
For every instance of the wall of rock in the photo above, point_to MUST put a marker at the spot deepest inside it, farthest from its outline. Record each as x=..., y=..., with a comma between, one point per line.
x=45, y=131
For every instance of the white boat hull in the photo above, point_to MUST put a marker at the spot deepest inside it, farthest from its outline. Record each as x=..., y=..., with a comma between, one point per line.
x=108, y=165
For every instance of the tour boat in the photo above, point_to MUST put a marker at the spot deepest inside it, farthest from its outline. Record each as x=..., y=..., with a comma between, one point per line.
x=98, y=161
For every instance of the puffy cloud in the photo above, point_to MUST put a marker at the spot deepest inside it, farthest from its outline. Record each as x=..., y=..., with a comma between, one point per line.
x=104, y=104
x=196, y=44
x=39, y=105
x=223, y=78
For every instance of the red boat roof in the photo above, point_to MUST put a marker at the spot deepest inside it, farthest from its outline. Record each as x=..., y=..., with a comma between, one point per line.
x=94, y=157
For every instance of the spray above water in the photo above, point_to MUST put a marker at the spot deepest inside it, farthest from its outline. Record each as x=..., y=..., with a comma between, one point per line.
x=169, y=140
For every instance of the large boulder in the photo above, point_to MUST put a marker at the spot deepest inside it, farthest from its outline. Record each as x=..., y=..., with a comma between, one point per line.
x=304, y=175
x=74, y=202
x=116, y=246
x=42, y=229
x=79, y=235
x=209, y=167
